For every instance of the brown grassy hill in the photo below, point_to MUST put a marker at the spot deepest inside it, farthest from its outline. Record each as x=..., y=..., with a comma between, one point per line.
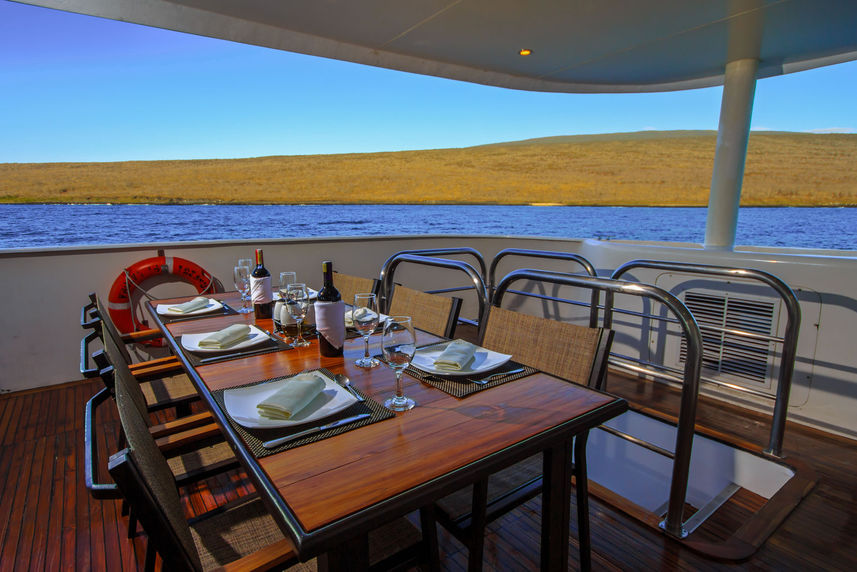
x=646, y=168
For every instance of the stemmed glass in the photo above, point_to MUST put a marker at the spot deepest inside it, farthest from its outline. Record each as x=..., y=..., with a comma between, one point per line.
x=286, y=278
x=364, y=316
x=249, y=264
x=297, y=301
x=399, y=345
x=241, y=278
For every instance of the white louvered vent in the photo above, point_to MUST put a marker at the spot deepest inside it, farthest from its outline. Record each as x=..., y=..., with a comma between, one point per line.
x=727, y=353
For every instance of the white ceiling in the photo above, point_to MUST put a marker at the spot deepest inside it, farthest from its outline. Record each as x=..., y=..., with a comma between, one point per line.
x=577, y=45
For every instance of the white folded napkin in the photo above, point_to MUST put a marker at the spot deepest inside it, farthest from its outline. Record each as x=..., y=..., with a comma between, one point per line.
x=296, y=394
x=197, y=303
x=456, y=355
x=360, y=314
x=227, y=337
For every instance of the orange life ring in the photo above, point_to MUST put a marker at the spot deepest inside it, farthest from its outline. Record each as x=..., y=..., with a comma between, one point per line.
x=119, y=300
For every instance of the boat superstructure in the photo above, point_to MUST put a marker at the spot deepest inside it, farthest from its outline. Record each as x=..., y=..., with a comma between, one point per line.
x=603, y=47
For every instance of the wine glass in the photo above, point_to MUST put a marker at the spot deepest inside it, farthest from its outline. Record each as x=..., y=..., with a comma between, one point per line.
x=286, y=278
x=297, y=301
x=364, y=316
x=241, y=278
x=249, y=264
x=399, y=345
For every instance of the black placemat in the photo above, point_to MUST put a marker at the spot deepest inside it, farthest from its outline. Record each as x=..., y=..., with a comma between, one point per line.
x=267, y=347
x=255, y=437
x=462, y=386
x=224, y=311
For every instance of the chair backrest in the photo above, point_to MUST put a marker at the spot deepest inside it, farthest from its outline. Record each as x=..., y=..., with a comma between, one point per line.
x=109, y=329
x=435, y=314
x=143, y=476
x=120, y=375
x=572, y=352
x=349, y=285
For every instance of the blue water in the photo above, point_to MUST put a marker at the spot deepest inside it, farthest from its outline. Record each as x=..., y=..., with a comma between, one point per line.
x=68, y=225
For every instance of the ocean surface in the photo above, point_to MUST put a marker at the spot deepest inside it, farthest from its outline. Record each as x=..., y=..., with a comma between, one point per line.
x=68, y=225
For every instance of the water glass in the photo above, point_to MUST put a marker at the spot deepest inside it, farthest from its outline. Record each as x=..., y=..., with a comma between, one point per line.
x=297, y=302
x=364, y=317
x=241, y=279
x=399, y=344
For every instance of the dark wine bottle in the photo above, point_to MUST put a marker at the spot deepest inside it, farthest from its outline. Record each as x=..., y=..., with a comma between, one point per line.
x=329, y=315
x=260, y=288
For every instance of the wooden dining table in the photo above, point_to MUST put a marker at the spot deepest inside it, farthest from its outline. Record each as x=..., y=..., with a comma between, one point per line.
x=328, y=494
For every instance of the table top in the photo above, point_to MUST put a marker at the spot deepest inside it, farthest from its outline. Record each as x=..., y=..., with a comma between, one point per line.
x=375, y=472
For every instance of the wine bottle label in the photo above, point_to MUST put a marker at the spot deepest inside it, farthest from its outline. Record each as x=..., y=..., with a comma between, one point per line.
x=260, y=290
x=330, y=322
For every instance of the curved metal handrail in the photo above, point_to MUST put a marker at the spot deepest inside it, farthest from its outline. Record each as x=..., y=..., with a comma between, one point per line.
x=394, y=261
x=444, y=252
x=551, y=255
x=674, y=522
x=789, y=341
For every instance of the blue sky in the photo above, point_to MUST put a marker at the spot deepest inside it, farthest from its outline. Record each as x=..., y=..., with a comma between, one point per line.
x=76, y=88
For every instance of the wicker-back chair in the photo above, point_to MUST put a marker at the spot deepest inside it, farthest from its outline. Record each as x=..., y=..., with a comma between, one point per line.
x=432, y=313
x=349, y=285
x=144, y=477
x=575, y=353
x=175, y=390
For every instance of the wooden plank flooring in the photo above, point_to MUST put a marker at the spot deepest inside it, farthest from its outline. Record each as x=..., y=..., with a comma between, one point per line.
x=49, y=522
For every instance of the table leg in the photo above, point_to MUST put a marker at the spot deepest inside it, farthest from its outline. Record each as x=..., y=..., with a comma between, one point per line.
x=581, y=484
x=556, y=501
x=350, y=555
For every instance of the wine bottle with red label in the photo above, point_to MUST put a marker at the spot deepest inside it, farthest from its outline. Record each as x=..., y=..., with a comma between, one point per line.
x=261, y=292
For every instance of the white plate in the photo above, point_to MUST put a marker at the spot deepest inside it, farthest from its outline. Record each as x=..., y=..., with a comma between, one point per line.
x=483, y=360
x=190, y=342
x=241, y=404
x=164, y=309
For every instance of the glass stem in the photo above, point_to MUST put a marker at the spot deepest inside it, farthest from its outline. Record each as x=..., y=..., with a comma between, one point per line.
x=400, y=392
x=366, y=352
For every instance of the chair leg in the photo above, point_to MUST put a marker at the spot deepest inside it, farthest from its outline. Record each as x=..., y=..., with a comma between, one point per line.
x=151, y=555
x=428, y=526
x=132, y=524
x=581, y=486
x=476, y=534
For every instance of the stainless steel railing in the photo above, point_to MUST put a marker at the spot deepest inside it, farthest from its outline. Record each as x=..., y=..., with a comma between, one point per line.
x=674, y=521
x=389, y=269
x=455, y=250
x=788, y=341
x=549, y=255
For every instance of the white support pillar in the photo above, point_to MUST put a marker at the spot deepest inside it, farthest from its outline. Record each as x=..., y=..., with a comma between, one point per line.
x=733, y=133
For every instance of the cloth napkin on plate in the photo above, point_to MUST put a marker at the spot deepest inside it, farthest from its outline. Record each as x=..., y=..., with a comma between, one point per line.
x=227, y=337
x=455, y=356
x=359, y=314
x=295, y=394
x=197, y=303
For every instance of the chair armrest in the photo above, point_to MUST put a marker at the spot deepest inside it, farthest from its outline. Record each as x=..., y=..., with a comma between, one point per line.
x=89, y=316
x=178, y=443
x=182, y=424
x=85, y=370
x=156, y=368
x=90, y=451
x=142, y=336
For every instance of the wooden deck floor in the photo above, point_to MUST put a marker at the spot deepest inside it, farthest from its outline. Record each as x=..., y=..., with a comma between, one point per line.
x=49, y=522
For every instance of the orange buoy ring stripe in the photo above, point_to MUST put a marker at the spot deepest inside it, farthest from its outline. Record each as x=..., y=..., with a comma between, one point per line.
x=129, y=280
